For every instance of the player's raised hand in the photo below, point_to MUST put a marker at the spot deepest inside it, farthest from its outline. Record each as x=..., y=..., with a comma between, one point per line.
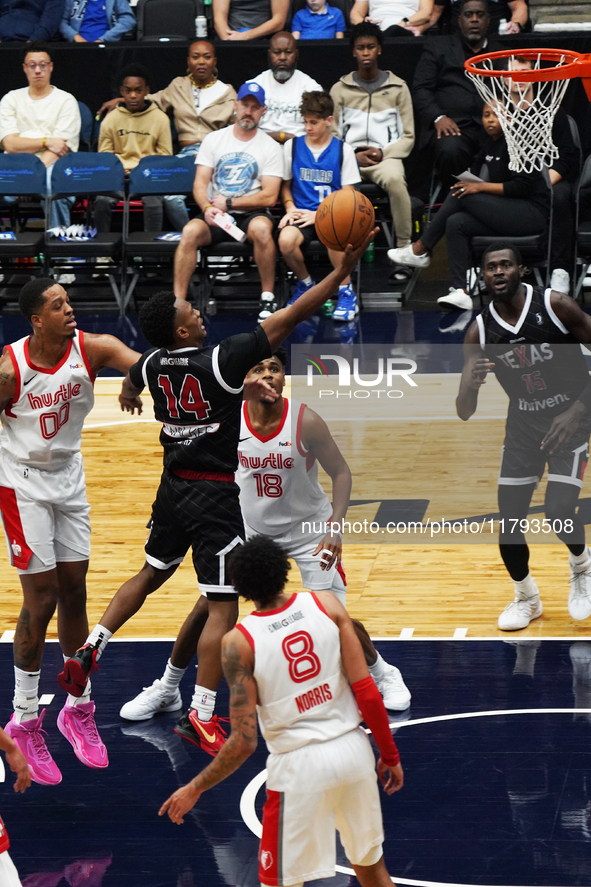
x=180, y=803
x=257, y=389
x=481, y=367
x=351, y=256
x=392, y=778
x=130, y=404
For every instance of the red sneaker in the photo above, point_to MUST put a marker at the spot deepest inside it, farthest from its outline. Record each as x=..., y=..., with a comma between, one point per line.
x=208, y=735
x=74, y=678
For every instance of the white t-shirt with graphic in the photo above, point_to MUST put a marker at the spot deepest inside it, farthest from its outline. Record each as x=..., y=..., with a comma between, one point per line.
x=239, y=166
x=283, y=101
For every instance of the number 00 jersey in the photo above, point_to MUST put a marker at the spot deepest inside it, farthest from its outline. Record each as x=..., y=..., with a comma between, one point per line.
x=538, y=362
x=303, y=694
x=42, y=425
x=278, y=478
x=197, y=395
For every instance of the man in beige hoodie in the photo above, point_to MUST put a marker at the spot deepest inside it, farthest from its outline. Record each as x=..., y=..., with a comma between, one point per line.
x=135, y=129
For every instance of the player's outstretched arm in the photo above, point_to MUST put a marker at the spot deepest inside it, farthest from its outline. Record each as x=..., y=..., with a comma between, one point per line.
x=571, y=315
x=108, y=351
x=474, y=373
x=281, y=324
x=7, y=380
x=318, y=440
x=238, y=665
x=16, y=761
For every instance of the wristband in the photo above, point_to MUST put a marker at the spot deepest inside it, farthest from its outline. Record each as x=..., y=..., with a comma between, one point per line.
x=44, y=142
x=281, y=137
x=205, y=208
x=437, y=119
x=289, y=200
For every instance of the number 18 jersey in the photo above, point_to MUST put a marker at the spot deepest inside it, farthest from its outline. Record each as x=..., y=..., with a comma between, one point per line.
x=304, y=696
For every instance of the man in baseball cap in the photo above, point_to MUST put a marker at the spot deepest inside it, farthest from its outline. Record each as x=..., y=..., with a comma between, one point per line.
x=239, y=171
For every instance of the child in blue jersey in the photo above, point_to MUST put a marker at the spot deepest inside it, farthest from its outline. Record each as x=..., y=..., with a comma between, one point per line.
x=318, y=21
x=316, y=164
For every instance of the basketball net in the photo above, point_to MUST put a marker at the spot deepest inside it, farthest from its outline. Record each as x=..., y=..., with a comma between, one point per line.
x=526, y=111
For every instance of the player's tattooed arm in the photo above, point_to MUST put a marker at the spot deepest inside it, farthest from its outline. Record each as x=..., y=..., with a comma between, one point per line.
x=238, y=665
x=7, y=380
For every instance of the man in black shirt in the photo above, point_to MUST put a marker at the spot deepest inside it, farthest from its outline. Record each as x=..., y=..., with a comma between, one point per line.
x=197, y=394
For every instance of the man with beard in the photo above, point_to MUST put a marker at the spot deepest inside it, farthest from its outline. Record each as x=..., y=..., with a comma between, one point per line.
x=522, y=335
x=242, y=169
x=447, y=101
x=284, y=87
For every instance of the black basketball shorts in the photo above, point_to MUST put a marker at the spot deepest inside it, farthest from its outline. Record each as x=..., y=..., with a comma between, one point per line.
x=204, y=515
x=522, y=465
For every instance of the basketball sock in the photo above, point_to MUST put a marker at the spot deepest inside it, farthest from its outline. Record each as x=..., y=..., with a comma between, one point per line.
x=307, y=280
x=99, y=637
x=80, y=700
x=378, y=670
x=172, y=676
x=204, y=702
x=26, y=694
x=527, y=587
x=578, y=559
x=343, y=286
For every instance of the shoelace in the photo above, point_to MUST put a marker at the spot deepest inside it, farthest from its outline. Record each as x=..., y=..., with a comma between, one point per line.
x=218, y=726
x=38, y=743
x=578, y=586
x=88, y=725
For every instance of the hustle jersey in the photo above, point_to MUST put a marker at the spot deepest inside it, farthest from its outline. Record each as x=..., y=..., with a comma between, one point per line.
x=42, y=424
x=303, y=693
x=197, y=395
x=278, y=477
x=538, y=362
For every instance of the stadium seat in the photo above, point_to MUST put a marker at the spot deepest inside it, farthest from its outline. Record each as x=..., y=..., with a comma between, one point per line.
x=21, y=175
x=167, y=19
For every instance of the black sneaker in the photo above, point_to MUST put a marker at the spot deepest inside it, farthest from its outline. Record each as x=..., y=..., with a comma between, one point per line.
x=74, y=677
x=207, y=735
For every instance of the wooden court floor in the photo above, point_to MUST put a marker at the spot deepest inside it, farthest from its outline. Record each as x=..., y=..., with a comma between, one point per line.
x=441, y=588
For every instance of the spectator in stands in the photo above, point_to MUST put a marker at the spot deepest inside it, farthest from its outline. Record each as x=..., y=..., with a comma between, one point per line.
x=239, y=171
x=136, y=129
x=318, y=21
x=284, y=86
x=29, y=20
x=563, y=174
x=514, y=13
x=200, y=104
x=447, y=101
x=397, y=18
x=96, y=21
x=508, y=204
x=41, y=119
x=316, y=157
x=249, y=19
x=373, y=114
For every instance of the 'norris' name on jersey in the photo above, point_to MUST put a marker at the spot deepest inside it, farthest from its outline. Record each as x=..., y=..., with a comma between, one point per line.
x=313, y=697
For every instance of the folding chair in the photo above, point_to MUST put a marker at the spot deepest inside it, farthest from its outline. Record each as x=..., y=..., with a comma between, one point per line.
x=21, y=175
x=153, y=175
x=85, y=175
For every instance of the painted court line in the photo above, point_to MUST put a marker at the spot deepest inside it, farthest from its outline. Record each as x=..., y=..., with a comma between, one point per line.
x=406, y=633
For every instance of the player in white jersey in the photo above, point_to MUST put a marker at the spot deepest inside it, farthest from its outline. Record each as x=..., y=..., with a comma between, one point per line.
x=280, y=444
x=46, y=391
x=297, y=663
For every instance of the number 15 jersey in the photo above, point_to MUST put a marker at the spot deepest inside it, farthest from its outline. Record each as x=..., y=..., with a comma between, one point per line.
x=304, y=696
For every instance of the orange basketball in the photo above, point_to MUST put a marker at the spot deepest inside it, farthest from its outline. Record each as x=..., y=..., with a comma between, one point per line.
x=344, y=217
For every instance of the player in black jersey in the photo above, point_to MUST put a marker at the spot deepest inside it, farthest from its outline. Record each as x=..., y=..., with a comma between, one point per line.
x=529, y=338
x=197, y=392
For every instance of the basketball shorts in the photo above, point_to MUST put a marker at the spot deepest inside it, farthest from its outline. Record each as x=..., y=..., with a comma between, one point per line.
x=309, y=234
x=525, y=465
x=242, y=221
x=45, y=514
x=301, y=550
x=203, y=515
x=311, y=792
x=8, y=873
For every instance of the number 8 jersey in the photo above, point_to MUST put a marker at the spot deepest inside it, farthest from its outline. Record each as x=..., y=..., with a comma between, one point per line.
x=303, y=694
x=42, y=425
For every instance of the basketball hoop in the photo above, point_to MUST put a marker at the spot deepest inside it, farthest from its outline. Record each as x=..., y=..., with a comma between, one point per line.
x=526, y=100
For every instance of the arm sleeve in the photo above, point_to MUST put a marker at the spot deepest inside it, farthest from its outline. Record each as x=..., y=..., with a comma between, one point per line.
x=374, y=714
x=53, y=12
x=350, y=167
x=124, y=21
x=238, y=354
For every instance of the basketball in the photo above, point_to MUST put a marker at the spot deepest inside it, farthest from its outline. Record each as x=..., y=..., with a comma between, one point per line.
x=344, y=217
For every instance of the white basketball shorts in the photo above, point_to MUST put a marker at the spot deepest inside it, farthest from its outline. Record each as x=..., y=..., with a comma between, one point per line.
x=45, y=514
x=311, y=792
x=8, y=873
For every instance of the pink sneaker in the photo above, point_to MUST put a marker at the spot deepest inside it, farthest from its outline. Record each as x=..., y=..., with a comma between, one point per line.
x=43, y=879
x=27, y=736
x=76, y=723
x=87, y=872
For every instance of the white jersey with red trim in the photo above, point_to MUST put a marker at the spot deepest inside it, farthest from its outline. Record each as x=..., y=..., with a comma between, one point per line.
x=42, y=424
x=278, y=477
x=304, y=696
x=4, y=842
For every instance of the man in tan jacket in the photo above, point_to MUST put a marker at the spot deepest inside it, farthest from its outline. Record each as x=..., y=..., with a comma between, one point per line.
x=135, y=129
x=373, y=113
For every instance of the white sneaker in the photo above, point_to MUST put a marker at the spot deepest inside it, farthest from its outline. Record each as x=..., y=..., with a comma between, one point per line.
x=150, y=701
x=395, y=693
x=579, y=599
x=560, y=281
x=520, y=612
x=403, y=255
x=456, y=298
x=66, y=279
x=267, y=306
